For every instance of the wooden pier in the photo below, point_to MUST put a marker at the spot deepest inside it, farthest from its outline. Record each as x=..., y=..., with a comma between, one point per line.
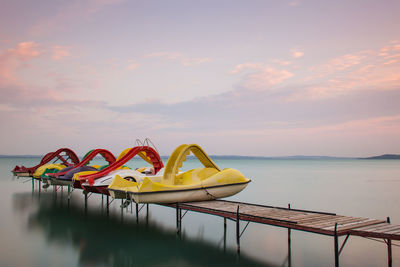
x=317, y=222
x=324, y=223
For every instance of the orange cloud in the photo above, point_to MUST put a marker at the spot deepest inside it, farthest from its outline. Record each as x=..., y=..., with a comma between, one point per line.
x=296, y=53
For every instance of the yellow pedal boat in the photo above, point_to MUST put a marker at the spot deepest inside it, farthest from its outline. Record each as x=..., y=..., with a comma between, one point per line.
x=173, y=186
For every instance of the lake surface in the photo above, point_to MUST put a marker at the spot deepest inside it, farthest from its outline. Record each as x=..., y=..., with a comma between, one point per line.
x=44, y=230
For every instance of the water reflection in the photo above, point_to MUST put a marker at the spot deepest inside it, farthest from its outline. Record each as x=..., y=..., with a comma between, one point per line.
x=109, y=240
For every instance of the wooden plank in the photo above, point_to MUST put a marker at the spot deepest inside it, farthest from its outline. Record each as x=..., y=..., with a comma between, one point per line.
x=381, y=228
x=355, y=225
x=374, y=234
x=395, y=230
x=316, y=219
x=337, y=219
x=308, y=216
x=364, y=228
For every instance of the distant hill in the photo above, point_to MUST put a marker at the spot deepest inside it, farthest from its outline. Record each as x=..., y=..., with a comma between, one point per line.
x=385, y=156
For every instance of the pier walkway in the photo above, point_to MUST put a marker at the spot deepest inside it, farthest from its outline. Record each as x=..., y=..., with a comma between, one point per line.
x=324, y=223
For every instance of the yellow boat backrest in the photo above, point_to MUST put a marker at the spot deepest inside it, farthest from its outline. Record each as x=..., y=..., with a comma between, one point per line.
x=179, y=155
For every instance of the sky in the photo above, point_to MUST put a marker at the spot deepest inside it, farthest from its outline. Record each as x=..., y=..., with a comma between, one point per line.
x=259, y=78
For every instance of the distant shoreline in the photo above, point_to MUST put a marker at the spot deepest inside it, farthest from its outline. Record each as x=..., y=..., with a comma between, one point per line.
x=299, y=157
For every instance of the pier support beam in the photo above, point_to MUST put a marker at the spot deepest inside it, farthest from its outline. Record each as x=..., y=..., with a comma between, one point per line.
x=224, y=234
x=336, y=245
x=178, y=220
x=389, y=247
x=137, y=213
x=147, y=214
x=237, y=230
x=289, y=245
x=86, y=199
x=107, y=205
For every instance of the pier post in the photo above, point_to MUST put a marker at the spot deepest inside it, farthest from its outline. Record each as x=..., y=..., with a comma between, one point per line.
x=122, y=210
x=178, y=220
x=238, y=230
x=147, y=214
x=137, y=213
x=33, y=184
x=86, y=201
x=336, y=244
x=289, y=245
x=389, y=247
x=107, y=205
x=224, y=234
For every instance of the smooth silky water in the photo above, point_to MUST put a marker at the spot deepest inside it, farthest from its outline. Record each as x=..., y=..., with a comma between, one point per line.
x=42, y=229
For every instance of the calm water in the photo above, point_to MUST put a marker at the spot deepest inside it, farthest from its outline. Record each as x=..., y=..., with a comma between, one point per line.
x=42, y=230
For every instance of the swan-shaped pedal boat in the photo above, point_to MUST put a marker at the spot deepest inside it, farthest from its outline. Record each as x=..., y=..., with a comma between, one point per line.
x=194, y=185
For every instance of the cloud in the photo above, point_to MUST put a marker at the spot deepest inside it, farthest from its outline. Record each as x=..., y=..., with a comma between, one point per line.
x=365, y=70
x=14, y=58
x=132, y=64
x=244, y=66
x=262, y=77
x=60, y=52
x=265, y=79
x=174, y=56
x=296, y=53
x=269, y=119
x=17, y=93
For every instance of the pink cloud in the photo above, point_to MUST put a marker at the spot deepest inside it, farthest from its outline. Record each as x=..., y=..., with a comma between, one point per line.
x=262, y=77
x=364, y=70
x=60, y=52
x=244, y=66
x=17, y=92
x=133, y=66
x=266, y=78
x=14, y=58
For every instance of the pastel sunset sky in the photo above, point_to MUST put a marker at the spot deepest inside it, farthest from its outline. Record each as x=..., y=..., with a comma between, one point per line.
x=262, y=78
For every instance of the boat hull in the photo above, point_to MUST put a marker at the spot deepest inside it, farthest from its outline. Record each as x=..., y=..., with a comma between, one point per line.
x=185, y=195
x=22, y=174
x=55, y=181
x=118, y=194
x=96, y=189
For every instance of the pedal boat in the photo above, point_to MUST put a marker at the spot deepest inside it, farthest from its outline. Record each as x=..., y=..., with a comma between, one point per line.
x=101, y=184
x=87, y=180
x=65, y=155
x=199, y=184
x=64, y=176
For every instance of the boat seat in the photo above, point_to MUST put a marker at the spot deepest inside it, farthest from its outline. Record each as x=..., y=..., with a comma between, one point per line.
x=194, y=176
